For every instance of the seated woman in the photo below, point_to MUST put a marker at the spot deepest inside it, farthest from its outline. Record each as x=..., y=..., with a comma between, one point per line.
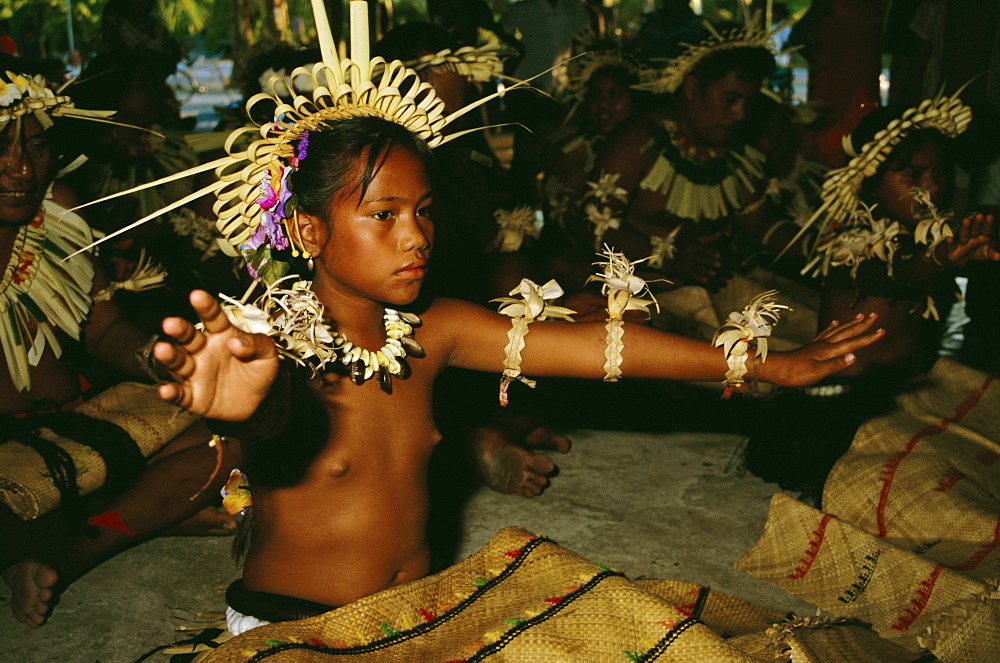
x=885, y=247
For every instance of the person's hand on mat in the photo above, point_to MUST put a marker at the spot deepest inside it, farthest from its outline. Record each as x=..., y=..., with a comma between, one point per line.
x=832, y=350
x=221, y=372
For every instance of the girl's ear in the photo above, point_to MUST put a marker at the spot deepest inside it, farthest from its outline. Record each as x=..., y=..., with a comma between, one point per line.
x=313, y=231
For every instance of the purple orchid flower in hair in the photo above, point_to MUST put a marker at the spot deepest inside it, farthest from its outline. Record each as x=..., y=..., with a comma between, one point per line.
x=301, y=148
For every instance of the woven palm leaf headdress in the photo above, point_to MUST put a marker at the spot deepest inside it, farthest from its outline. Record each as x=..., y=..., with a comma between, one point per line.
x=20, y=95
x=841, y=187
x=253, y=200
x=475, y=63
x=757, y=32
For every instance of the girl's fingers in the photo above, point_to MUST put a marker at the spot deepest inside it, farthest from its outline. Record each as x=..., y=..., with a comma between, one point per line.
x=174, y=393
x=964, y=229
x=247, y=347
x=175, y=359
x=837, y=331
x=209, y=312
x=852, y=329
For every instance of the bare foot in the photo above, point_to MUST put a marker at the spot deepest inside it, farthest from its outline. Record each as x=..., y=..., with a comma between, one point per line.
x=33, y=590
x=210, y=521
x=543, y=438
x=509, y=468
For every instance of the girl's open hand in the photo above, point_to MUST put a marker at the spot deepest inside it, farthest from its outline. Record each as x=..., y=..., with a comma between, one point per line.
x=975, y=241
x=832, y=350
x=222, y=372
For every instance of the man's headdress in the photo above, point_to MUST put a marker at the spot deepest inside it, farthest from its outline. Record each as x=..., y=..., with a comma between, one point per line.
x=21, y=94
x=756, y=33
x=475, y=63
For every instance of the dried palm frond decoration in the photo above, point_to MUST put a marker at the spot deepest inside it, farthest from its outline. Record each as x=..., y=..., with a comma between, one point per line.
x=624, y=291
x=254, y=205
x=41, y=291
x=20, y=95
x=145, y=276
x=862, y=237
x=946, y=114
x=663, y=247
x=756, y=33
x=750, y=326
x=530, y=304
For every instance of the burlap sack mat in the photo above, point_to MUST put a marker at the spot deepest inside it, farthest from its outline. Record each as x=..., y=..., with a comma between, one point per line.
x=524, y=598
x=136, y=408
x=925, y=477
x=907, y=598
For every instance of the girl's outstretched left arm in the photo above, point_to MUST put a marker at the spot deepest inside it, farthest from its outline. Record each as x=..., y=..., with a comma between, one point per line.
x=478, y=337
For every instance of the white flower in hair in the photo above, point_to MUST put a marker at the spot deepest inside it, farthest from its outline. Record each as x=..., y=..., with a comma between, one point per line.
x=9, y=93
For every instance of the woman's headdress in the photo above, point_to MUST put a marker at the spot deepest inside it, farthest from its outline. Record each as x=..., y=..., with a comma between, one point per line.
x=253, y=202
x=839, y=194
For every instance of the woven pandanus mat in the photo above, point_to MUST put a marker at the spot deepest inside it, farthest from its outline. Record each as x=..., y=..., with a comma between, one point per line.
x=906, y=597
x=925, y=476
x=525, y=598
x=136, y=408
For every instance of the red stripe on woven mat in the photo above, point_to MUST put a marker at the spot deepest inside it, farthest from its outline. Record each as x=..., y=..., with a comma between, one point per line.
x=918, y=602
x=815, y=542
x=889, y=471
x=983, y=551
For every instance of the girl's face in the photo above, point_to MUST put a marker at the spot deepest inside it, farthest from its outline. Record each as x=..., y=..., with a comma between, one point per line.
x=379, y=248
x=926, y=169
x=609, y=103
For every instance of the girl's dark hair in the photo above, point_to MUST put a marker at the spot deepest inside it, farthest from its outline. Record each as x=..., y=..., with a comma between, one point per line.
x=333, y=157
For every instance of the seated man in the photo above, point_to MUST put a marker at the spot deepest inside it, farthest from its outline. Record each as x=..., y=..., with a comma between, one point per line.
x=58, y=308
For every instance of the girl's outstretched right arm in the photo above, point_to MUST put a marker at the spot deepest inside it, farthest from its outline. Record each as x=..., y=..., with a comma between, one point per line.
x=222, y=372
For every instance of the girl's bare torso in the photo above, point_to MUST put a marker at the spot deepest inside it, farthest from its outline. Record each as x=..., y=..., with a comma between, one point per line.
x=354, y=523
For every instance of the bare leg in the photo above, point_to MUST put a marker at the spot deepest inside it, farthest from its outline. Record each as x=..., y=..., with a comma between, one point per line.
x=161, y=499
x=505, y=458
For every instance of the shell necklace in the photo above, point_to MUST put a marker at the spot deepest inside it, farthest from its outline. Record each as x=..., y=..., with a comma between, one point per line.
x=390, y=359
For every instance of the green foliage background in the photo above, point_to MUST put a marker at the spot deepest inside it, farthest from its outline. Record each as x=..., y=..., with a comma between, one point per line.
x=206, y=25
